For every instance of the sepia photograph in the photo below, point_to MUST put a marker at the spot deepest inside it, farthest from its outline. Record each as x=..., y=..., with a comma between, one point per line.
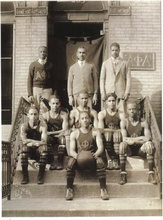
x=81, y=108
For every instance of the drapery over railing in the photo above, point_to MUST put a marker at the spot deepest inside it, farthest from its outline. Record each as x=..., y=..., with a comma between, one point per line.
x=15, y=134
x=146, y=112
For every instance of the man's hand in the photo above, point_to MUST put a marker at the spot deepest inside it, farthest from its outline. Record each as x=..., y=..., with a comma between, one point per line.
x=71, y=100
x=31, y=99
x=103, y=96
x=95, y=99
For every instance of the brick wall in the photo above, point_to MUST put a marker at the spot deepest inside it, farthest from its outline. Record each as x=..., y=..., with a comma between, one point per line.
x=30, y=33
x=141, y=32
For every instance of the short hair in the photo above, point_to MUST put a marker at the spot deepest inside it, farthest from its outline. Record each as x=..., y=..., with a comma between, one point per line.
x=86, y=113
x=33, y=107
x=82, y=92
x=115, y=44
x=54, y=97
x=43, y=47
x=82, y=47
x=132, y=103
x=111, y=94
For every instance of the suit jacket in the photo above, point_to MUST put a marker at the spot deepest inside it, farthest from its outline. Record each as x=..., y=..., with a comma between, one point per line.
x=82, y=78
x=118, y=81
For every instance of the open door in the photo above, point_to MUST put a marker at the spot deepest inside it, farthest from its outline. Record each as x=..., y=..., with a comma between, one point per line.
x=63, y=44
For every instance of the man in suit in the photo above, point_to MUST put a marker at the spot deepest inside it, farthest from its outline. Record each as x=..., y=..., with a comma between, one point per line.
x=115, y=77
x=82, y=76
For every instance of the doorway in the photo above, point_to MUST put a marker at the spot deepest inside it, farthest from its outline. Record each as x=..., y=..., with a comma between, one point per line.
x=74, y=34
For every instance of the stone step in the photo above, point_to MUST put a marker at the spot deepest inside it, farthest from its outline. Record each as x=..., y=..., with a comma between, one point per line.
x=136, y=169
x=59, y=176
x=85, y=189
x=84, y=207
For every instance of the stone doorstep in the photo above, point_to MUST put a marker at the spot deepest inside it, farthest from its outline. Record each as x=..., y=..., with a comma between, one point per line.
x=81, y=207
x=85, y=190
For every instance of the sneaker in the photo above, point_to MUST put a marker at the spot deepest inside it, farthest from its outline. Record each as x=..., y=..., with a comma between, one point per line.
x=25, y=180
x=40, y=179
x=116, y=165
x=104, y=194
x=69, y=194
x=110, y=165
x=52, y=167
x=59, y=166
x=151, y=178
x=123, y=179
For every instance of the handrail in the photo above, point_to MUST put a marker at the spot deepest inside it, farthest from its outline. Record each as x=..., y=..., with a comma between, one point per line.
x=15, y=134
x=6, y=170
x=148, y=114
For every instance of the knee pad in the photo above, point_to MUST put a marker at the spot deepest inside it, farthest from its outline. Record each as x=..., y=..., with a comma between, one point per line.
x=71, y=165
x=61, y=149
x=148, y=147
x=123, y=148
x=24, y=158
x=100, y=163
x=108, y=136
x=43, y=157
x=117, y=137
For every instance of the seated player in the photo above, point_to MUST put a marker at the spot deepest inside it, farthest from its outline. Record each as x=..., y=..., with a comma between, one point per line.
x=85, y=154
x=34, y=136
x=136, y=142
x=83, y=106
x=109, y=124
x=57, y=121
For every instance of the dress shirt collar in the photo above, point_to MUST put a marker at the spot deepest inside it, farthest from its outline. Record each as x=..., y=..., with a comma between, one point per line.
x=42, y=62
x=115, y=59
x=81, y=62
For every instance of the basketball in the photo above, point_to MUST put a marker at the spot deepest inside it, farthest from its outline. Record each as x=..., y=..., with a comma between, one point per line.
x=86, y=160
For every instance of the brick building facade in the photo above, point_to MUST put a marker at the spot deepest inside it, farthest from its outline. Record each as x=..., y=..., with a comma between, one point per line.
x=135, y=25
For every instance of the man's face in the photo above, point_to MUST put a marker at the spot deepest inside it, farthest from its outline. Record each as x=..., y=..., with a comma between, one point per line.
x=111, y=102
x=84, y=120
x=115, y=51
x=54, y=104
x=132, y=109
x=33, y=115
x=42, y=52
x=81, y=54
x=83, y=100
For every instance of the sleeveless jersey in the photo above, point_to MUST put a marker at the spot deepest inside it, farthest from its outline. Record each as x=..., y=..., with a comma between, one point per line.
x=134, y=131
x=34, y=133
x=77, y=125
x=85, y=142
x=112, y=121
x=54, y=124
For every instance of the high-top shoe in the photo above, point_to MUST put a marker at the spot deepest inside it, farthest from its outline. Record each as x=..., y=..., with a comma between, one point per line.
x=151, y=178
x=104, y=194
x=123, y=179
x=69, y=194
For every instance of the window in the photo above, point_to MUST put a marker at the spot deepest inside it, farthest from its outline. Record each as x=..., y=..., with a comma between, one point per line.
x=6, y=71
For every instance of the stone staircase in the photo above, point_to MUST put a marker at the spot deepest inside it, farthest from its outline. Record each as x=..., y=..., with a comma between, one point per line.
x=136, y=198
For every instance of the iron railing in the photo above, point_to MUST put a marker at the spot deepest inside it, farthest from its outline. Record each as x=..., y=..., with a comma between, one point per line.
x=6, y=170
x=11, y=150
x=146, y=112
